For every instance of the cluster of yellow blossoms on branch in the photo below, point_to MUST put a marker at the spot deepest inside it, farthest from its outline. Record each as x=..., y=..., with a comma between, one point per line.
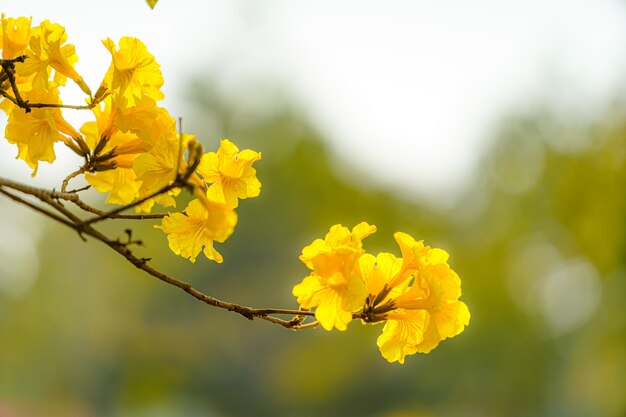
x=133, y=151
x=416, y=295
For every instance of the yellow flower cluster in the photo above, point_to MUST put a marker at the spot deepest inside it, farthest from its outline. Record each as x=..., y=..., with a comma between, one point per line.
x=131, y=149
x=417, y=296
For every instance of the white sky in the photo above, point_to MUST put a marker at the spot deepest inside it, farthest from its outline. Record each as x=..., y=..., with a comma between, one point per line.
x=407, y=90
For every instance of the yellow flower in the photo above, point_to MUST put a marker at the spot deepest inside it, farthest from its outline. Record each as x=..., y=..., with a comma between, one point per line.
x=421, y=308
x=47, y=49
x=157, y=168
x=403, y=332
x=436, y=290
x=130, y=137
x=36, y=132
x=120, y=183
x=147, y=120
x=15, y=36
x=338, y=239
x=334, y=287
x=230, y=173
x=415, y=255
x=377, y=273
x=202, y=224
x=133, y=72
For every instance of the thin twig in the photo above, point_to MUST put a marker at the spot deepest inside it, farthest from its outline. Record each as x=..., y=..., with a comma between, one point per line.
x=78, y=190
x=311, y=325
x=69, y=177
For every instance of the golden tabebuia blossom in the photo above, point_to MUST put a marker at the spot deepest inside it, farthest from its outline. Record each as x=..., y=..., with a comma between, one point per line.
x=334, y=287
x=120, y=183
x=47, y=49
x=133, y=73
x=416, y=296
x=415, y=255
x=147, y=120
x=402, y=334
x=423, y=309
x=202, y=223
x=230, y=174
x=15, y=35
x=36, y=132
x=158, y=168
x=436, y=290
x=377, y=272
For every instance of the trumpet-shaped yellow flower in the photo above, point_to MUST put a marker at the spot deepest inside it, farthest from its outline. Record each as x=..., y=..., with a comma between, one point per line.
x=338, y=239
x=157, y=168
x=402, y=334
x=436, y=290
x=133, y=72
x=103, y=127
x=420, y=310
x=334, y=287
x=377, y=272
x=36, y=132
x=147, y=120
x=120, y=183
x=230, y=173
x=415, y=255
x=14, y=36
x=203, y=223
x=335, y=298
x=47, y=49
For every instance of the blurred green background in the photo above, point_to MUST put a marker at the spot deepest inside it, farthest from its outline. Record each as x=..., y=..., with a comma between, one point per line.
x=538, y=240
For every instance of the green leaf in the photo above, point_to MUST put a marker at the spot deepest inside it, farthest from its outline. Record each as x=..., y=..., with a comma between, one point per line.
x=152, y=3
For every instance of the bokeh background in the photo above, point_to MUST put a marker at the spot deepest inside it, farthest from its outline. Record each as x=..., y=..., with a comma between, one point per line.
x=495, y=130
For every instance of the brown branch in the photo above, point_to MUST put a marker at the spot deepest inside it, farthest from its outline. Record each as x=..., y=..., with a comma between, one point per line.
x=84, y=228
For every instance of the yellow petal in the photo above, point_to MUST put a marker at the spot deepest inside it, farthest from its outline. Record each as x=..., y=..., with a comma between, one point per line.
x=120, y=182
x=331, y=314
x=402, y=333
x=309, y=292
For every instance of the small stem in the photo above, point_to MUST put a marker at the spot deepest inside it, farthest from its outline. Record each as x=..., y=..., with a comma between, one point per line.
x=78, y=190
x=311, y=325
x=69, y=177
x=267, y=311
